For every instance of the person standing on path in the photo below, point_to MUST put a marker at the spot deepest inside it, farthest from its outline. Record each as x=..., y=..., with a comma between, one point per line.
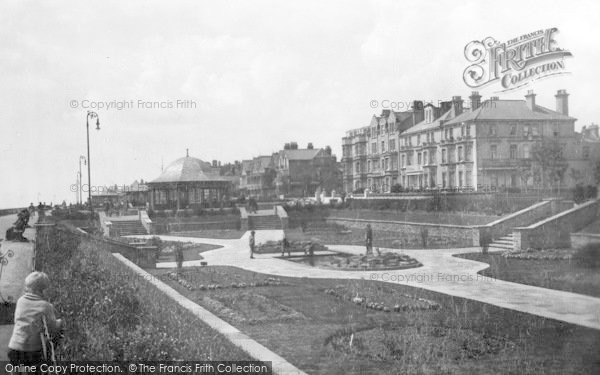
x=251, y=243
x=369, y=239
x=25, y=346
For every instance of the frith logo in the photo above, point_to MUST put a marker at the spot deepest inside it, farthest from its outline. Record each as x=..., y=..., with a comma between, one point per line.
x=514, y=63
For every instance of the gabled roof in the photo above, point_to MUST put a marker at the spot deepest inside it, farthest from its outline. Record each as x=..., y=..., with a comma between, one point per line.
x=423, y=125
x=301, y=154
x=188, y=169
x=260, y=163
x=508, y=110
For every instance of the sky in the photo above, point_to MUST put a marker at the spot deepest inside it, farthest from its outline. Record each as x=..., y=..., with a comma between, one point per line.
x=230, y=80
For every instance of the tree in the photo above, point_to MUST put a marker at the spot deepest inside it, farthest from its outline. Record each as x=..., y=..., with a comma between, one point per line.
x=549, y=163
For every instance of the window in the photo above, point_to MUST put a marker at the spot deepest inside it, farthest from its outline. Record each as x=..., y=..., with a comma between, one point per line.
x=443, y=179
x=425, y=157
x=387, y=164
x=443, y=155
x=357, y=167
x=492, y=130
x=419, y=158
x=446, y=133
x=462, y=131
x=493, y=151
x=382, y=146
x=460, y=179
x=392, y=145
x=526, y=130
x=586, y=152
x=418, y=139
x=513, y=151
x=432, y=157
x=403, y=160
x=374, y=148
x=513, y=130
x=469, y=177
x=468, y=127
x=460, y=153
x=526, y=152
x=368, y=165
x=468, y=153
x=409, y=159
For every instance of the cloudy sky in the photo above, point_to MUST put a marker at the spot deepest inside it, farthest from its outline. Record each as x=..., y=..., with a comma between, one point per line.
x=256, y=74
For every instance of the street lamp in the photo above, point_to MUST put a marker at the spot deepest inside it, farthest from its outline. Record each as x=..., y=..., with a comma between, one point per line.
x=81, y=157
x=92, y=115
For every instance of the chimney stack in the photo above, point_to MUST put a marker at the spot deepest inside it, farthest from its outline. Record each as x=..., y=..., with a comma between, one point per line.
x=457, y=102
x=530, y=97
x=562, y=102
x=475, y=100
x=418, y=112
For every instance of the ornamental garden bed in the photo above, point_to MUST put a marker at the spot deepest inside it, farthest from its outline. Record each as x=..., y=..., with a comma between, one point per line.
x=320, y=327
x=349, y=262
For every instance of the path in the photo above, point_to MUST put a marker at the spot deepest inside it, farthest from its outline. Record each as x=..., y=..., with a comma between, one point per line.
x=14, y=272
x=441, y=272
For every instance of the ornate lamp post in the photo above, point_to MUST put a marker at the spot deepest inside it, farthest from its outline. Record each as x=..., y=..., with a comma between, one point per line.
x=81, y=157
x=92, y=115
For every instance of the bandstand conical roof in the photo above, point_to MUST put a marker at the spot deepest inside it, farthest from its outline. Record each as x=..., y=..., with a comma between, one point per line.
x=188, y=169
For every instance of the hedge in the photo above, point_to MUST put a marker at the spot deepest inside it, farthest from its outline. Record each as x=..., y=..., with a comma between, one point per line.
x=113, y=315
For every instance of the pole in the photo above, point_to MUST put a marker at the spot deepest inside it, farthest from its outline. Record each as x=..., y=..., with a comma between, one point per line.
x=80, y=184
x=87, y=123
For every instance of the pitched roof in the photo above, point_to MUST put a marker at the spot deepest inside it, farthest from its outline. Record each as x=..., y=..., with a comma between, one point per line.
x=260, y=163
x=188, y=169
x=508, y=110
x=301, y=154
x=423, y=126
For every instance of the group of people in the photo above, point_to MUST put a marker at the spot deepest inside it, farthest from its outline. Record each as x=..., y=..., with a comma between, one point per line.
x=15, y=232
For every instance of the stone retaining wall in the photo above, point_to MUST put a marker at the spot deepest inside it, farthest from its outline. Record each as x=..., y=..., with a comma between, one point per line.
x=555, y=231
x=579, y=240
x=411, y=234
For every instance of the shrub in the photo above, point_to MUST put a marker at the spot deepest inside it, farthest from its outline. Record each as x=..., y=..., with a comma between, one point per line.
x=578, y=194
x=591, y=192
x=588, y=256
x=396, y=188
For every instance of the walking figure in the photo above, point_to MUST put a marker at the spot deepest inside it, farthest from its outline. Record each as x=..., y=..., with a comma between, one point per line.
x=179, y=257
x=251, y=243
x=369, y=239
x=285, y=245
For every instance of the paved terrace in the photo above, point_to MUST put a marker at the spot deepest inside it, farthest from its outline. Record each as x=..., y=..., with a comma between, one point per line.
x=441, y=272
x=14, y=273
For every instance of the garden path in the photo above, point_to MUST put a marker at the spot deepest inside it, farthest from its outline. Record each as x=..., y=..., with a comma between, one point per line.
x=441, y=272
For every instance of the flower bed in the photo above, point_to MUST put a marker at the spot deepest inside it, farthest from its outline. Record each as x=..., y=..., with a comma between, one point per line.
x=188, y=282
x=112, y=314
x=548, y=254
x=414, y=303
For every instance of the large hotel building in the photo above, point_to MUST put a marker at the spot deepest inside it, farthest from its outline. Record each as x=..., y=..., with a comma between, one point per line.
x=485, y=144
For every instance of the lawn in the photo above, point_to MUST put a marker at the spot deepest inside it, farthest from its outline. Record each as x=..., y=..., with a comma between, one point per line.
x=324, y=326
x=553, y=274
x=417, y=216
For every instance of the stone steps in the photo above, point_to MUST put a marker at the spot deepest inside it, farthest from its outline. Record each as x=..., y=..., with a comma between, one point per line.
x=505, y=243
x=264, y=222
x=127, y=228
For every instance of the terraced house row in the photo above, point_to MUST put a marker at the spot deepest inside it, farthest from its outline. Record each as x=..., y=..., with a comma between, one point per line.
x=486, y=144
